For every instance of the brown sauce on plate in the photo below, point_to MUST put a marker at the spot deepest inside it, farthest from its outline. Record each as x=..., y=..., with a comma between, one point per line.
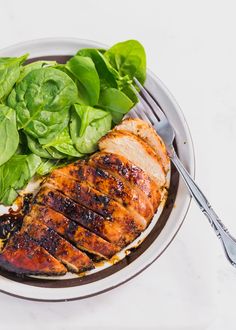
x=11, y=222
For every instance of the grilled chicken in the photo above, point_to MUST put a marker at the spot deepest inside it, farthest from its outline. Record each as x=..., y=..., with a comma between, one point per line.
x=129, y=172
x=84, y=239
x=22, y=255
x=87, y=218
x=96, y=206
x=148, y=134
x=117, y=224
x=136, y=151
x=100, y=203
x=110, y=185
x=83, y=193
x=75, y=260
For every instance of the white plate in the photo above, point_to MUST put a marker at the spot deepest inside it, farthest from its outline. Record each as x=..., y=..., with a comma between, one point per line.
x=159, y=234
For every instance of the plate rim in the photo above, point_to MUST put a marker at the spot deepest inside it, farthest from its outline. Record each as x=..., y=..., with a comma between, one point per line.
x=192, y=164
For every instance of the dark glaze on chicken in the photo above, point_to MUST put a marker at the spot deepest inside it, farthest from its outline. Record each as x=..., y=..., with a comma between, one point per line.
x=92, y=208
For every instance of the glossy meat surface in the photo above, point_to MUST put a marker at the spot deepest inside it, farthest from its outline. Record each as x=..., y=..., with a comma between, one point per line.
x=123, y=224
x=133, y=174
x=92, y=208
x=22, y=255
x=75, y=260
x=84, y=239
x=85, y=217
x=112, y=186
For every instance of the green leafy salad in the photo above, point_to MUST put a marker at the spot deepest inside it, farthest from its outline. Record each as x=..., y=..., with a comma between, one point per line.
x=52, y=114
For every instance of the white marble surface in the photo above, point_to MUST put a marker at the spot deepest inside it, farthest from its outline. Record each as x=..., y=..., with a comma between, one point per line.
x=191, y=46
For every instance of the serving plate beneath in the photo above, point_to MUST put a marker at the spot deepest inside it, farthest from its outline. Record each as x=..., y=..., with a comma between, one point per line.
x=159, y=234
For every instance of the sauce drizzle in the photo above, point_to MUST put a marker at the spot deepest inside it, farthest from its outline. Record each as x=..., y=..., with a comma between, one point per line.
x=11, y=222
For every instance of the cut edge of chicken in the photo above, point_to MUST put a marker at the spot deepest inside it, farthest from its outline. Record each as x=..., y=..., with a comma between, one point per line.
x=136, y=151
x=75, y=260
x=117, y=188
x=108, y=207
x=21, y=250
x=98, y=246
x=148, y=134
x=84, y=216
x=129, y=172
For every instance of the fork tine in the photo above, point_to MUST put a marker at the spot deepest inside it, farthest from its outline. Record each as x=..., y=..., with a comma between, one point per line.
x=150, y=100
x=134, y=113
x=140, y=114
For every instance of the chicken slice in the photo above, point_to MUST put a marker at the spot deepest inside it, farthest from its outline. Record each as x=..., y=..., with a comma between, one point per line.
x=147, y=133
x=72, y=231
x=83, y=193
x=131, y=173
x=110, y=185
x=135, y=150
x=123, y=225
x=83, y=216
x=103, y=227
x=23, y=256
x=75, y=260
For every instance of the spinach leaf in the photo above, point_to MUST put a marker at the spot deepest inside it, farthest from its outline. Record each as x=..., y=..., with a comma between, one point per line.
x=42, y=101
x=64, y=145
x=63, y=68
x=128, y=58
x=68, y=149
x=33, y=66
x=87, y=77
x=15, y=174
x=128, y=91
x=116, y=102
x=62, y=119
x=55, y=154
x=48, y=165
x=37, y=149
x=44, y=151
x=10, y=68
x=107, y=74
x=8, y=132
x=22, y=148
x=87, y=126
x=101, y=50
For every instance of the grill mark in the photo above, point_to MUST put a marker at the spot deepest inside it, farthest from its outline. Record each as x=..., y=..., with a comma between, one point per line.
x=115, y=228
x=91, y=198
x=110, y=186
x=130, y=172
x=22, y=255
x=73, y=258
x=72, y=231
x=73, y=211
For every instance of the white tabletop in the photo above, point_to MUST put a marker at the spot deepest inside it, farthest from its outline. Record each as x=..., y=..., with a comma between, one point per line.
x=191, y=46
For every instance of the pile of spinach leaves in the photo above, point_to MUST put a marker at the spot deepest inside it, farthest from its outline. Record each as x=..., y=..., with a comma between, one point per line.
x=51, y=114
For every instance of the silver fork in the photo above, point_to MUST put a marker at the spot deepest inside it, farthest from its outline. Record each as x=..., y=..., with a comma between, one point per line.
x=154, y=114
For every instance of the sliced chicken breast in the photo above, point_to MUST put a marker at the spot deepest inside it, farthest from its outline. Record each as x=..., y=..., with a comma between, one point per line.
x=102, y=204
x=131, y=173
x=89, y=219
x=110, y=185
x=72, y=231
x=117, y=230
x=22, y=255
x=75, y=260
x=148, y=134
x=95, y=206
x=136, y=151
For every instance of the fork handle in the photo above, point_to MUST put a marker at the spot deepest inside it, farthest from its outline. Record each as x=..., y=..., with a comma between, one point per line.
x=229, y=243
